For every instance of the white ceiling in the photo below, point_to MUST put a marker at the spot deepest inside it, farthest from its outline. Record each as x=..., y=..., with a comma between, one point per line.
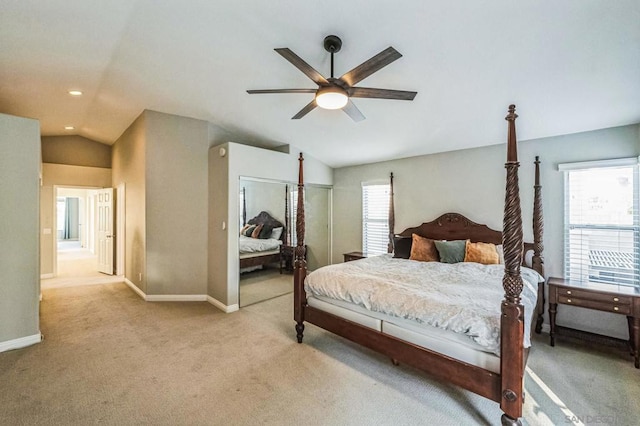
x=570, y=66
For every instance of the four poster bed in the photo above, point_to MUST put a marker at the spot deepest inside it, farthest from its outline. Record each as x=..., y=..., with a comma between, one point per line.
x=261, y=247
x=385, y=304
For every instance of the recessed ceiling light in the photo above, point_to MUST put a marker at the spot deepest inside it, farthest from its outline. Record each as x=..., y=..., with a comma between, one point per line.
x=75, y=92
x=69, y=127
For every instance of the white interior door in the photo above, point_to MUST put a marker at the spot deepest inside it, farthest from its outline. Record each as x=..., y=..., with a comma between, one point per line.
x=105, y=230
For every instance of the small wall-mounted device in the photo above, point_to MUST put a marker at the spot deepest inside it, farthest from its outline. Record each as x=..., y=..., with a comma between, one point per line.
x=224, y=225
x=222, y=151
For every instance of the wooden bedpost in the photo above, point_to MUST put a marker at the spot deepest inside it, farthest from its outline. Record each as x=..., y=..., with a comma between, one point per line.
x=392, y=215
x=300, y=270
x=287, y=225
x=538, y=247
x=512, y=319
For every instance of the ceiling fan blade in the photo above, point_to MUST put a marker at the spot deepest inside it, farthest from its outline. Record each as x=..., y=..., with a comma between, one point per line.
x=262, y=91
x=306, y=110
x=367, y=92
x=367, y=68
x=352, y=111
x=299, y=63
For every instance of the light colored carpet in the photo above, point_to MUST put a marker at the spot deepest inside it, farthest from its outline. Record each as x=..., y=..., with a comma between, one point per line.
x=110, y=358
x=261, y=285
x=77, y=266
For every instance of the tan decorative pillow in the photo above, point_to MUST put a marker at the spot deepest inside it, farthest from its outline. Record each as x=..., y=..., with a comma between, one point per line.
x=244, y=229
x=484, y=253
x=423, y=249
x=256, y=232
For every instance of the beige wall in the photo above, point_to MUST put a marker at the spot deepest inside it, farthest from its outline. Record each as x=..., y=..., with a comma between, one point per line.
x=472, y=182
x=75, y=150
x=162, y=161
x=317, y=205
x=128, y=167
x=176, y=204
x=218, y=256
x=62, y=175
x=19, y=206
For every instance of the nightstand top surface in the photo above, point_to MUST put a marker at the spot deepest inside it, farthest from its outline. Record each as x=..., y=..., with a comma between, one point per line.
x=593, y=286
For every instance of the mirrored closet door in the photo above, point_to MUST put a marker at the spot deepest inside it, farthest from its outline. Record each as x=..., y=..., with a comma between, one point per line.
x=267, y=238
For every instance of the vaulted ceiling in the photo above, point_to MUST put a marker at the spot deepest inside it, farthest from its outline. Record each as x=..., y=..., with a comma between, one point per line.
x=570, y=66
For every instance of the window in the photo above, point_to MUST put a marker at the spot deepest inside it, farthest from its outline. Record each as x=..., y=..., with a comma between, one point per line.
x=601, y=232
x=375, y=218
x=293, y=215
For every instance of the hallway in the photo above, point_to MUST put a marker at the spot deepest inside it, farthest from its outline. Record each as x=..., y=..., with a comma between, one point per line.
x=77, y=266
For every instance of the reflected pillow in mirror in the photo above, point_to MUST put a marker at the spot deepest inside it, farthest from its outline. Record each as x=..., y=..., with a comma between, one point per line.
x=249, y=230
x=265, y=232
x=276, y=233
x=256, y=232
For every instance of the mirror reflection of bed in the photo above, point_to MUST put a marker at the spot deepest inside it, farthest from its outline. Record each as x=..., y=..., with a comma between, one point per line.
x=265, y=273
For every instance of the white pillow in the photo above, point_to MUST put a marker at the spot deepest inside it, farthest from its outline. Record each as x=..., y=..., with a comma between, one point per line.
x=500, y=251
x=528, y=256
x=276, y=233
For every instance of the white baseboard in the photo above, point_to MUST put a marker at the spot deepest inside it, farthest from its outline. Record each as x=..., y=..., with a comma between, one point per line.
x=135, y=288
x=46, y=276
x=224, y=308
x=176, y=298
x=166, y=297
x=20, y=342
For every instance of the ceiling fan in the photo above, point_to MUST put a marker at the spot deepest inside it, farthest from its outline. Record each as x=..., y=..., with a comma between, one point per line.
x=335, y=93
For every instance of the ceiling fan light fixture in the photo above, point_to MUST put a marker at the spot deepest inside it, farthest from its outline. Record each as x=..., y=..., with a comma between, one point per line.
x=332, y=97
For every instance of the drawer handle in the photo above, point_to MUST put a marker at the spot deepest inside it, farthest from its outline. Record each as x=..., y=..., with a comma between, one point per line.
x=568, y=300
x=615, y=299
x=615, y=308
x=568, y=291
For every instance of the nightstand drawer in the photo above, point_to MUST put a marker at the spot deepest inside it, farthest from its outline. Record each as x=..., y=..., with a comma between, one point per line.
x=599, y=297
x=594, y=304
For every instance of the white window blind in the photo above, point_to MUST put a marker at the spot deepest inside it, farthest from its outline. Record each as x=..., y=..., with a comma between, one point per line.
x=375, y=218
x=293, y=214
x=601, y=235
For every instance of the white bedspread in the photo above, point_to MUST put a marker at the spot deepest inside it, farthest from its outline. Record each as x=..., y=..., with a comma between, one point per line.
x=463, y=297
x=253, y=245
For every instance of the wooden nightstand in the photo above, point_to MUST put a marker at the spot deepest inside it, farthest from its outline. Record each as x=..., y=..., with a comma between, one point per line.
x=354, y=255
x=619, y=300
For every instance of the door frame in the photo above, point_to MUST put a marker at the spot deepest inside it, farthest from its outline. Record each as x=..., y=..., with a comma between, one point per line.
x=120, y=192
x=54, y=221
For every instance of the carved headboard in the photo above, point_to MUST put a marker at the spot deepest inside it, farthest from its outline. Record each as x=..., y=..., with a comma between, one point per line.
x=454, y=226
x=264, y=218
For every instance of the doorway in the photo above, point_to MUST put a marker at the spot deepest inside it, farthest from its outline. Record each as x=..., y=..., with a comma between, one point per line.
x=77, y=242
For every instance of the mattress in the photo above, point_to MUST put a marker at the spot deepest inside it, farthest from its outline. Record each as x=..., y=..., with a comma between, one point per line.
x=438, y=340
x=258, y=254
x=462, y=298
